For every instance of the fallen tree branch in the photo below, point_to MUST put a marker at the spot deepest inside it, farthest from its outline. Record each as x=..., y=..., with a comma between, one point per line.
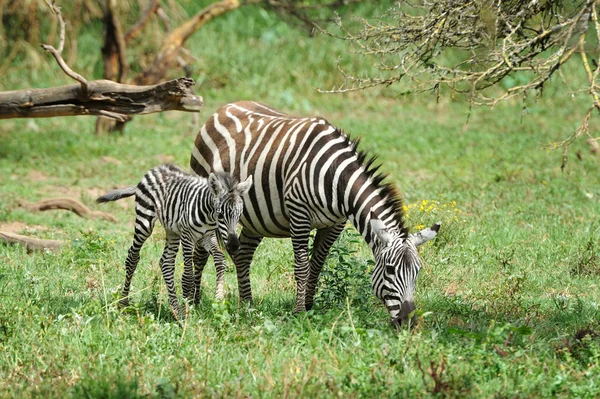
x=69, y=204
x=103, y=98
x=30, y=243
x=98, y=97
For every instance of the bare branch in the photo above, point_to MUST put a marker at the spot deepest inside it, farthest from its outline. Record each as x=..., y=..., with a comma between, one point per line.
x=57, y=53
x=173, y=43
x=135, y=30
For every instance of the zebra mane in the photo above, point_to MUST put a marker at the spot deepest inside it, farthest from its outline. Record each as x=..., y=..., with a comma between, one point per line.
x=392, y=196
x=229, y=182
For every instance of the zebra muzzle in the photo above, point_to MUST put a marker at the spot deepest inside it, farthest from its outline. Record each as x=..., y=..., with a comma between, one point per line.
x=406, y=316
x=233, y=244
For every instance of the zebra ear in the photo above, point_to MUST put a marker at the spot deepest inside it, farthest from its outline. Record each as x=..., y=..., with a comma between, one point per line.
x=425, y=235
x=214, y=184
x=382, y=232
x=245, y=186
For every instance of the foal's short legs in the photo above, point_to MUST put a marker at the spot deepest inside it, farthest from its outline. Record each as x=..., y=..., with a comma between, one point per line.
x=205, y=247
x=144, y=224
x=167, y=266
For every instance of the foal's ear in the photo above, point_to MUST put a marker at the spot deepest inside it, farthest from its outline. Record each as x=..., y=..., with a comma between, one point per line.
x=244, y=187
x=381, y=231
x=214, y=184
x=425, y=235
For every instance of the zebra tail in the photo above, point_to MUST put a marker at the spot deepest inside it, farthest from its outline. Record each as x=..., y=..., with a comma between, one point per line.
x=116, y=195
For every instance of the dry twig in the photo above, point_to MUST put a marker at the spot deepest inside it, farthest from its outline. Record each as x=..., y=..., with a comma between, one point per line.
x=57, y=53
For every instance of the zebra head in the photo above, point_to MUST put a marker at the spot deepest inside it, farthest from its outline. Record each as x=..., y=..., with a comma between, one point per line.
x=397, y=265
x=229, y=206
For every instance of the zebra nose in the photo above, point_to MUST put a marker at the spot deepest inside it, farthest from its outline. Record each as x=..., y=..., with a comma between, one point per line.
x=405, y=315
x=233, y=244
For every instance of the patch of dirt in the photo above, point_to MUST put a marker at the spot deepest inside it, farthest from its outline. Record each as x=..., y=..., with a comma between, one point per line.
x=110, y=160
x=60, y=191
x=164, y=158
x=95, y=192
x=20, y=227
x=85, y=195
x=452, y=289
x=36, y=175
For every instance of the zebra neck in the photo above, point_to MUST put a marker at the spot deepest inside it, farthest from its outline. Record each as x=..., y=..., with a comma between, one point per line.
x=364, y=200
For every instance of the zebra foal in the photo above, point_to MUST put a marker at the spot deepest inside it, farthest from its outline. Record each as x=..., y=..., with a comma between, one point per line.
x=309, y=175
x=190, y=208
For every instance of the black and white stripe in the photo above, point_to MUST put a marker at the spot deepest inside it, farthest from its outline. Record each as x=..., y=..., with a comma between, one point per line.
x=190, y=208
x=309, y=175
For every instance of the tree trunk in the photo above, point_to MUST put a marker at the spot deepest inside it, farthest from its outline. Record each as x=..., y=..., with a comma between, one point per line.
x=115, y=64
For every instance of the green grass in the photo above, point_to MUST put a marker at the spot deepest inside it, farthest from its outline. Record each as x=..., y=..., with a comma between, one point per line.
x=508, y=297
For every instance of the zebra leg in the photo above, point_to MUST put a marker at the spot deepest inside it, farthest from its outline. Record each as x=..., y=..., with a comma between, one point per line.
x=144, y=224
x=242, y=259
x=167, y=266
x=213, y=248
x=322, y=244
x=200, y=258
x=187, y=279
x=300, y=231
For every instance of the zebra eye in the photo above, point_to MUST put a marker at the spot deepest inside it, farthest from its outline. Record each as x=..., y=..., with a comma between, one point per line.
x=390, y=269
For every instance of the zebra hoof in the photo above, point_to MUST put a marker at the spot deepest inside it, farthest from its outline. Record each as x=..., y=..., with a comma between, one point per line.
x=299, y=310
x=124, y=302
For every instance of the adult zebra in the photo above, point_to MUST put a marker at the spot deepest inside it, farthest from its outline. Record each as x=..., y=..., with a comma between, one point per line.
x=309, y=175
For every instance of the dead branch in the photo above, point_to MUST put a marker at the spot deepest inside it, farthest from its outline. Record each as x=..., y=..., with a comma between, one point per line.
x=139, y=25
x=30, y=243
x=98, y=97
x=103, y=98
x=68, y=204
x=57, y=53
x=171, y=47
x=164, y=18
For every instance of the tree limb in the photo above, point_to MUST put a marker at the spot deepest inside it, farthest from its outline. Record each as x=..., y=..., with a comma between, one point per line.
x=139, y=25
x=103, y=98
x=57, y=53
x=173, y=43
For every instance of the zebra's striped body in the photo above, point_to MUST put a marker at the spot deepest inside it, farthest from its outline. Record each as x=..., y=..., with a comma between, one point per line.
x=190, y=208
x=309, y=175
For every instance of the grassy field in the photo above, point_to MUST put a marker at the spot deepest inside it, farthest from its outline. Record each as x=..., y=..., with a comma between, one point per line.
x=508, y=298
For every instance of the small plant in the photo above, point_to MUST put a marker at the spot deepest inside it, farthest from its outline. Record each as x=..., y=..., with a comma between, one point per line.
x=345, y=275
x=582, y=346
x=587, y=262
x=107, y=387
x=89, y=247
